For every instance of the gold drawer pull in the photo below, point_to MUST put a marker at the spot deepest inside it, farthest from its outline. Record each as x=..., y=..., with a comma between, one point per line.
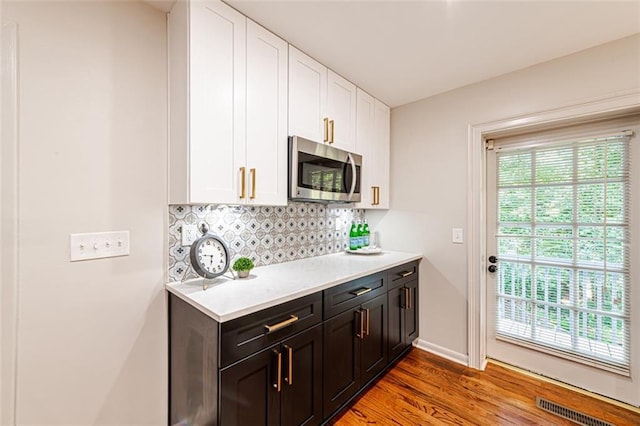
x=361, y=291
x=405, y=273
x=278, y=326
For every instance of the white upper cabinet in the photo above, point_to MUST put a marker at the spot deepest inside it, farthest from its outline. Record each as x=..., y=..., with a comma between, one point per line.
x=266, y=111
x=307, y=96
x=341, y=111
x=322, y=104
x=227, y=81
x=373, y=143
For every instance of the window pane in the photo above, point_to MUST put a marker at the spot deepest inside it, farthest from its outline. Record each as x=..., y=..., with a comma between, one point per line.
x=514, y=205
x=514, y=169
x=554, y=204
x=554, y=166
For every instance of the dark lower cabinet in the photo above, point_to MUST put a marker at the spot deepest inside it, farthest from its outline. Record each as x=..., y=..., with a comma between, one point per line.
x=301, y=400
x=247, y=396
x=355, y=351
x=279, y=385
x=297, y=363
x=403, y=317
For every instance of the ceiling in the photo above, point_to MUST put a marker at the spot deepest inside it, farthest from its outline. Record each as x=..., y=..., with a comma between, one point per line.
x=403, y=51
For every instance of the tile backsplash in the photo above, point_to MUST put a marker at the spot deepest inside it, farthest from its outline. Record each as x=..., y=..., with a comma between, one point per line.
x=266, y=234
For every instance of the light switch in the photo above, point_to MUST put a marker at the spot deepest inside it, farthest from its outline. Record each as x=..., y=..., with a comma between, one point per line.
x=98, y=245
x=457, y=236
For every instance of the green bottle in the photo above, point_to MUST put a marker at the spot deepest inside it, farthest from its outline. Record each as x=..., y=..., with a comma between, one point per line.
x=359, y=232
x=365, y=234
x=353, y=237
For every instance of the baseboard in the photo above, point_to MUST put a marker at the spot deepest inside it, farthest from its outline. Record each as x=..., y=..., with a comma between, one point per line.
x=442, y=352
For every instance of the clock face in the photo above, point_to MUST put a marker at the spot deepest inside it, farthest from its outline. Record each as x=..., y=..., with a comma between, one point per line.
x=209, y=256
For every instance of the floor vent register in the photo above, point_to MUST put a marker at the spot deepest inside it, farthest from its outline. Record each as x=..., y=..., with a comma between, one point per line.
x=569, y=414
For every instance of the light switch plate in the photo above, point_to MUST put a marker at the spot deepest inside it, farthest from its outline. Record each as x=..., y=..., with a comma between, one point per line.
x=457, y=236
x=98, y=245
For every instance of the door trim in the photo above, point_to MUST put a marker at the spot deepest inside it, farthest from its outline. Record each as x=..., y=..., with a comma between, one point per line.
x=9, y=221
x=615, y=104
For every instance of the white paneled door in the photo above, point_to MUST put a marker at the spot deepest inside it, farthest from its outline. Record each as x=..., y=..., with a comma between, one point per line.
x=561, y=250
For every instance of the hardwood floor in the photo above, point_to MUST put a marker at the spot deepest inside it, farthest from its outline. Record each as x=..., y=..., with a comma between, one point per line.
x=425, y=389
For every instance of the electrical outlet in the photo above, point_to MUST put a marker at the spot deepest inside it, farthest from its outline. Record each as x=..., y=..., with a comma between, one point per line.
x=189, y=234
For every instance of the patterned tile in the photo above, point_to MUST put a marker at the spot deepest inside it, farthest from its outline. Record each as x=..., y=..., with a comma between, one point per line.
x=266, y=234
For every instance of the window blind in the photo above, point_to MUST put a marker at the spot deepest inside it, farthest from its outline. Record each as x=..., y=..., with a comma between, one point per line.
x=563, y=244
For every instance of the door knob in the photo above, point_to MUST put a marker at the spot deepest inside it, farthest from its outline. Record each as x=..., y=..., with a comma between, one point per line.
x=493, y=259
x=492, y=268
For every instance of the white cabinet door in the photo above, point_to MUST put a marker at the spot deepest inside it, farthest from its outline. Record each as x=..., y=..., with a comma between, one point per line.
x=307, y=96
x=266, y=136
x=341, y=111
x=217, y=101
x=380, y=156
x=365, y=108
x=372, y=142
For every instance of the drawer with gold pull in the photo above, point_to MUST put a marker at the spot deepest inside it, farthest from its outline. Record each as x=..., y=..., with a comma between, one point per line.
x=246, y=335
x=350, y=294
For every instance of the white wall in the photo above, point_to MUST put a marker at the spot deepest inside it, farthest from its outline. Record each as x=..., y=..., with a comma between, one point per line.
x=92, y=335
x=429, y=168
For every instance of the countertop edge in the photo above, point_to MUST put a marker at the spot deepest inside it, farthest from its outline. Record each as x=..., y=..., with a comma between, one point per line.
x=171, y=287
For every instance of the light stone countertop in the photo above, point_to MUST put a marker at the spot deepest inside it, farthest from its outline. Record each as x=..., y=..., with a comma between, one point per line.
x=226, y=299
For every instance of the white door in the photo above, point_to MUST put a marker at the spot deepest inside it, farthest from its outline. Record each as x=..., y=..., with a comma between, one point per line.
x=307, y=97
x=266, y=161
x=559, y=302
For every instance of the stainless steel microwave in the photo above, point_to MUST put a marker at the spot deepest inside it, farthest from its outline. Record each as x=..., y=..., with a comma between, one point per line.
x=323, y=173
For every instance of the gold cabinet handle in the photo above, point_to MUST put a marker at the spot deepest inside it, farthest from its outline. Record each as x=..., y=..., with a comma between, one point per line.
x=362, y=291
x=326, y=129
x=376, y=195
x=410, y=297
x=332, y=128
x=252, y=172
x=282, y=324
x=242, y=183
x=405, y=273
x=406, y=298
x=361, y=325
x=367, y=330
x=289, y=378
x=278, y=383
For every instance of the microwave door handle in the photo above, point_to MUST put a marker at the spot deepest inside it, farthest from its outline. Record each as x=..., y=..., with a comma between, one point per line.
x=353, y=175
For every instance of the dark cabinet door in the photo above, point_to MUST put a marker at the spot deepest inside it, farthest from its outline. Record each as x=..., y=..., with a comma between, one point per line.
x=411, y=312
x=395, y=333
x=373, y=346
x=249, y=390
x=403, y=317
x=301, y=402
x=341, y=359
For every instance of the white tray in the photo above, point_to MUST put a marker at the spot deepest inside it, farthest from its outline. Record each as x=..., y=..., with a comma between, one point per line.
x=365, y=251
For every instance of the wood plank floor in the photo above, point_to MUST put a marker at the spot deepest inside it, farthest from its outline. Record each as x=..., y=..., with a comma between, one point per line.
x=425, y=389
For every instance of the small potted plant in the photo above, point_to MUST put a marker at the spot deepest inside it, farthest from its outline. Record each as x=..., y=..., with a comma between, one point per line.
x=243, y=266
